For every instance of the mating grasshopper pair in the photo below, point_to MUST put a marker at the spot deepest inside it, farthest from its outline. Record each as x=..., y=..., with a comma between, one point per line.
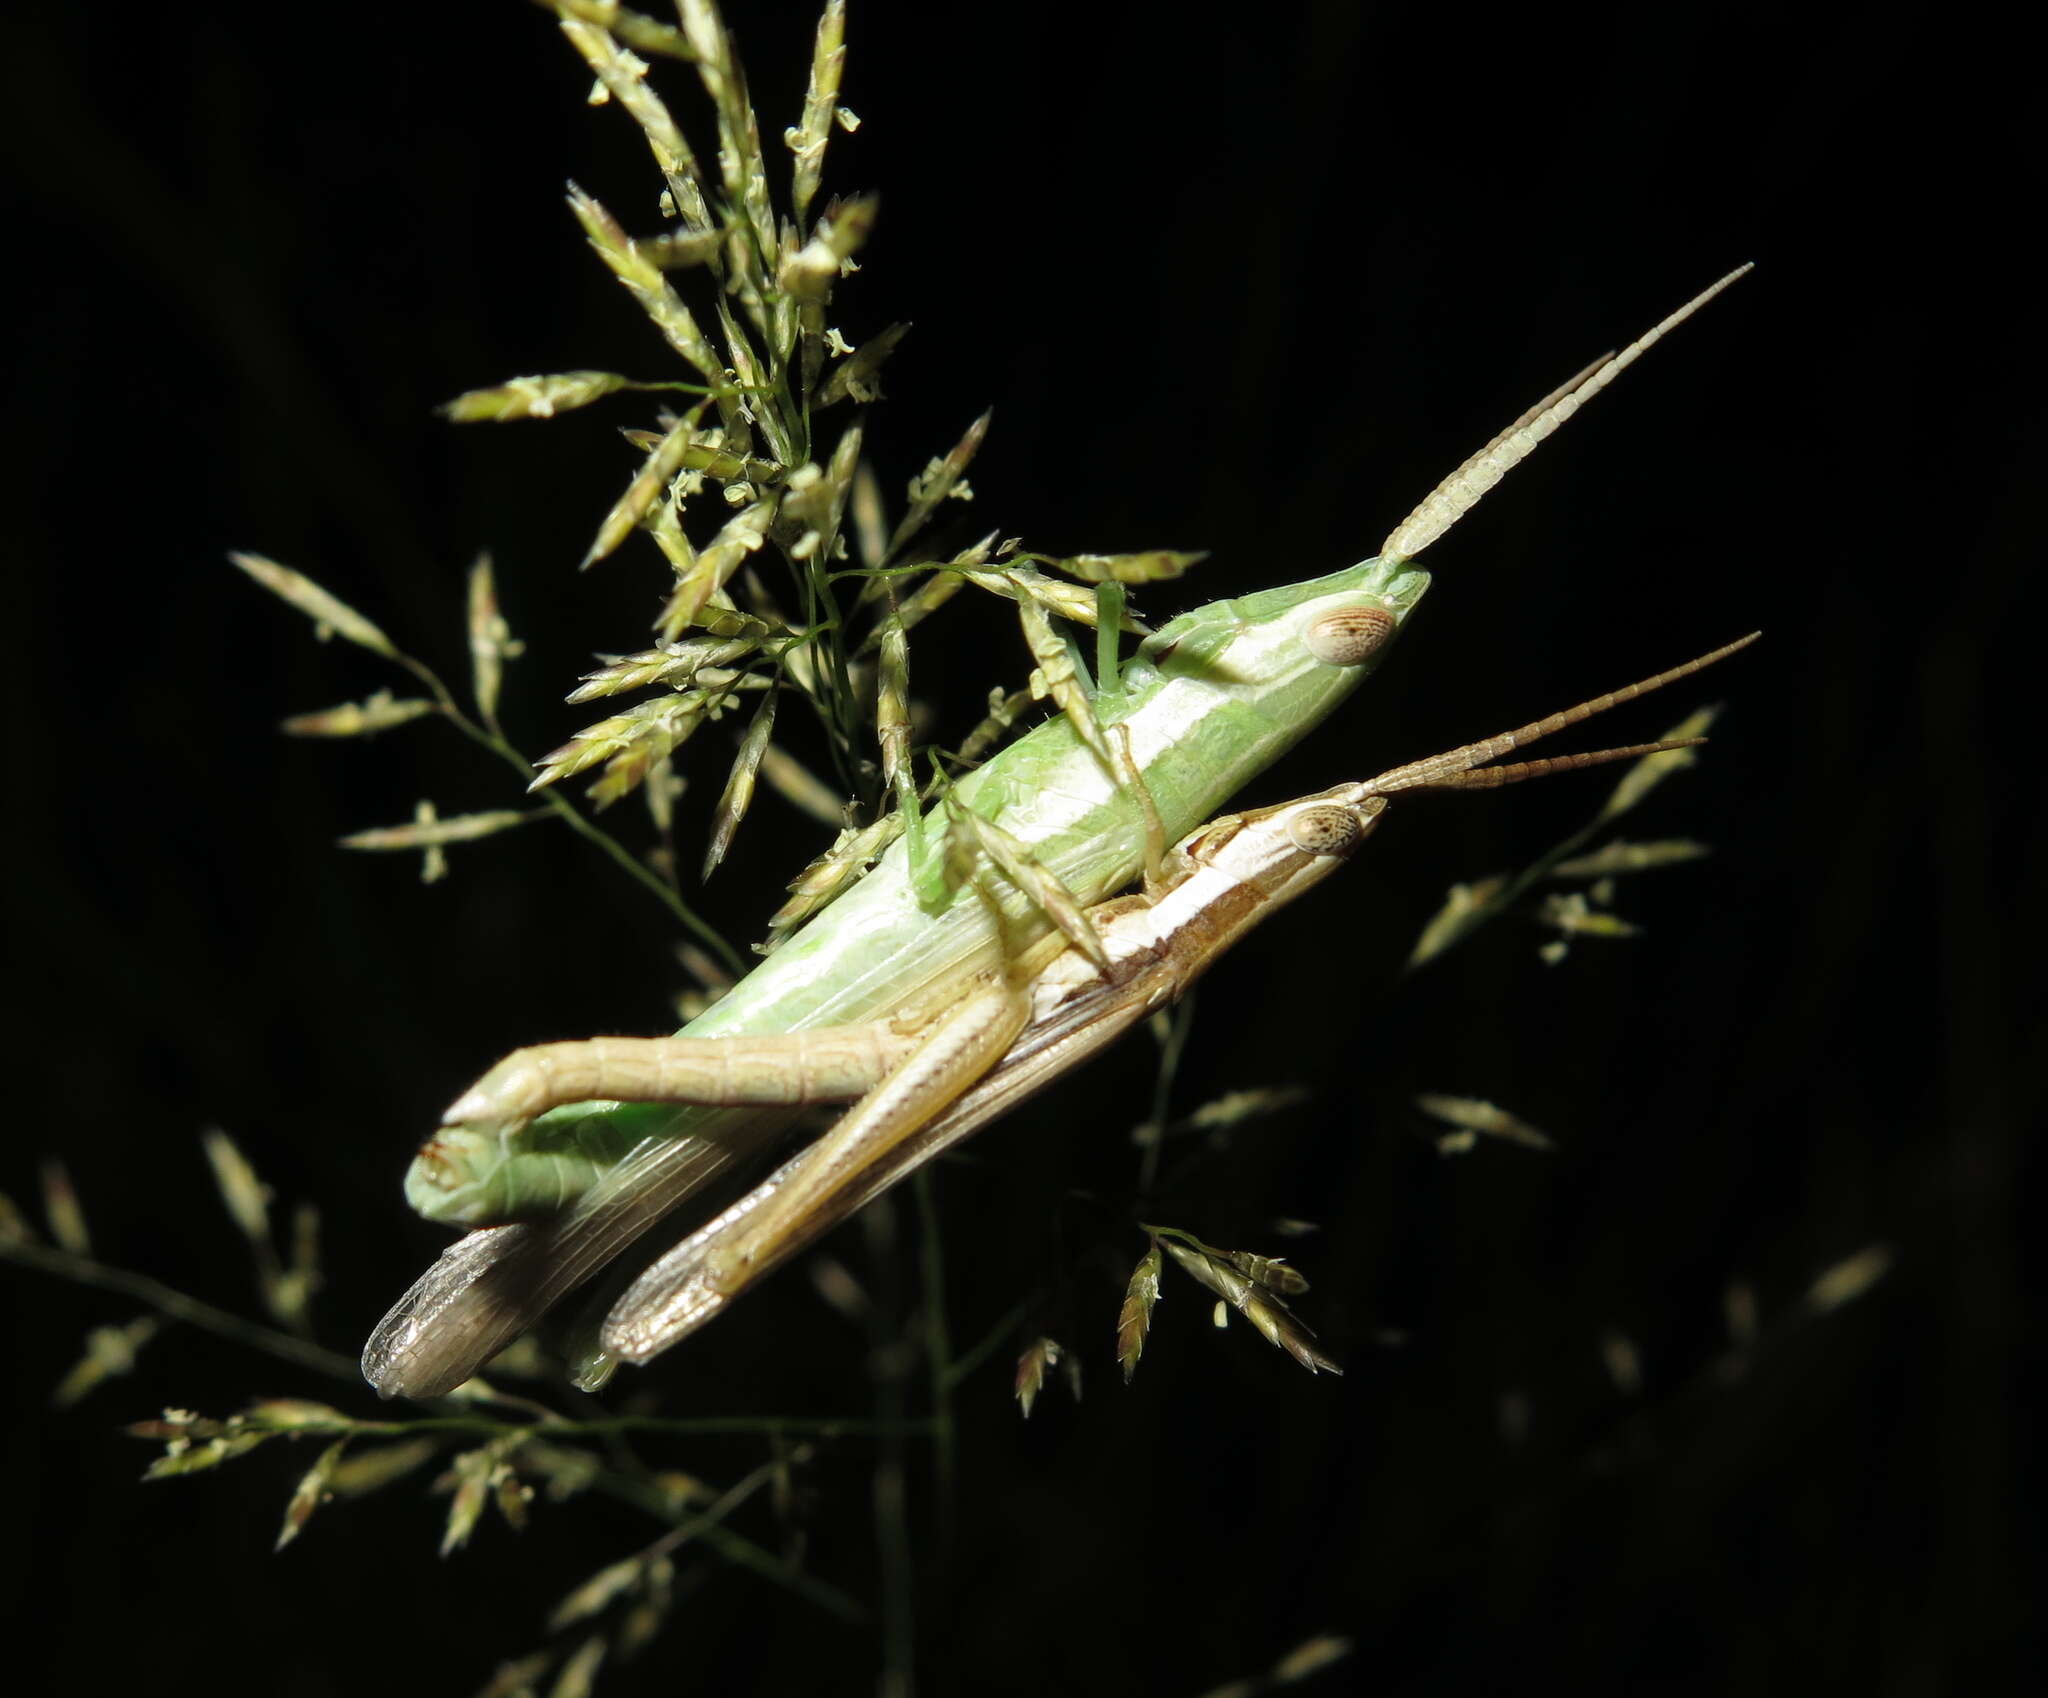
x=939, y=1014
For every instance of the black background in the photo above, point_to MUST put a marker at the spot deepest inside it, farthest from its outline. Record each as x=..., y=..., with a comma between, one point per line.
x=1249, y=284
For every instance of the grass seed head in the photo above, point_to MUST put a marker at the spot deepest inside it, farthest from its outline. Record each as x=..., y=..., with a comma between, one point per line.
x=1039, y=1357
x=1134, y=1318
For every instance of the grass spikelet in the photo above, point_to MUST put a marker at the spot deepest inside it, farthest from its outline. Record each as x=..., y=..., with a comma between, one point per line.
x=1311, y=1656
x=1849, y=1278
x=434, y=857
x=578, y=1678
x=1308, y=1658
x=1154, y=565
x=1134, y=1318
x=491, y=642
x=1058, y=677
x=568, y=1472
x=680, y=250
x=870, y=517
x=856, y=376
x=892, y=730
x=1464, y=907
x=375, y=713
x=622, y=75
x=538, y=397
x=635, y=29
x=366, y=1471
x=940, y=478
x=1236, y=1108
x=517, y=1677
x=597, y=1593
x=435, y=832
x=184, y=1457
x=512, y=1495
x=663, y=461
x=815, y=502
x=314, y=1489
x=110, y=1352
x=730, y=624
x=808, y=274
x=475, y=1477
x=648, y=284
x=942, y=586
x=628, y=743
x=1276, y=1323
x=1645, y=775
x=246, y=1198
x=1023, y=584
x=1623, y=1362
x=1575, y=916
x=644, y=1615
x=801, y=788
x=1003, y=708
x=1039, y=1357
x=1620, y=857
x=831, y=875
x=892, y=714
x=1022, y=869
x=1270, y=1271
x=1474, y=1115
x=807, y=138
x=291, y=1415
x=331, y=615
x=194, y=1442
x=715, y=564
x=743, y=172
x=738, y=795
x=748, y=367
x=61, y=1210
x=718, y=454
x=674, y=664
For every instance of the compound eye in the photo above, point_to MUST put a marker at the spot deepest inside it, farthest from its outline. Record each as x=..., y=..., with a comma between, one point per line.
x=1347, y=636
x=1325, y=831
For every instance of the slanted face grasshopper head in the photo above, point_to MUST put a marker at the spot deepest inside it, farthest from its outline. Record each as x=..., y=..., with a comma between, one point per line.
x=1270, y=856
x=1292, y=653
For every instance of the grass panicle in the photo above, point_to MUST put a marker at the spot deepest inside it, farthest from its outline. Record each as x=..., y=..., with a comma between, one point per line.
x=1249, y=1294
x=742, y=285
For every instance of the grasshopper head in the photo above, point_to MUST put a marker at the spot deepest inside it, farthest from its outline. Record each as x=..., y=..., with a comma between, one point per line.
x=1277, y=662
x=1339, y=624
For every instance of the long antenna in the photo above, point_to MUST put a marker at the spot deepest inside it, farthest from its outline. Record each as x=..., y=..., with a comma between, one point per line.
x=1453, y=770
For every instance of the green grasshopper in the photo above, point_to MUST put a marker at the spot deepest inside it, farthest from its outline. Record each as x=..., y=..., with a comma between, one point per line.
x=1228, y=876
x=943, y=991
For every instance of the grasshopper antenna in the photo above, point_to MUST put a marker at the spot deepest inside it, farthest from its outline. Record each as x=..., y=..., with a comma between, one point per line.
x=1467, y=768
x=1459, y=493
